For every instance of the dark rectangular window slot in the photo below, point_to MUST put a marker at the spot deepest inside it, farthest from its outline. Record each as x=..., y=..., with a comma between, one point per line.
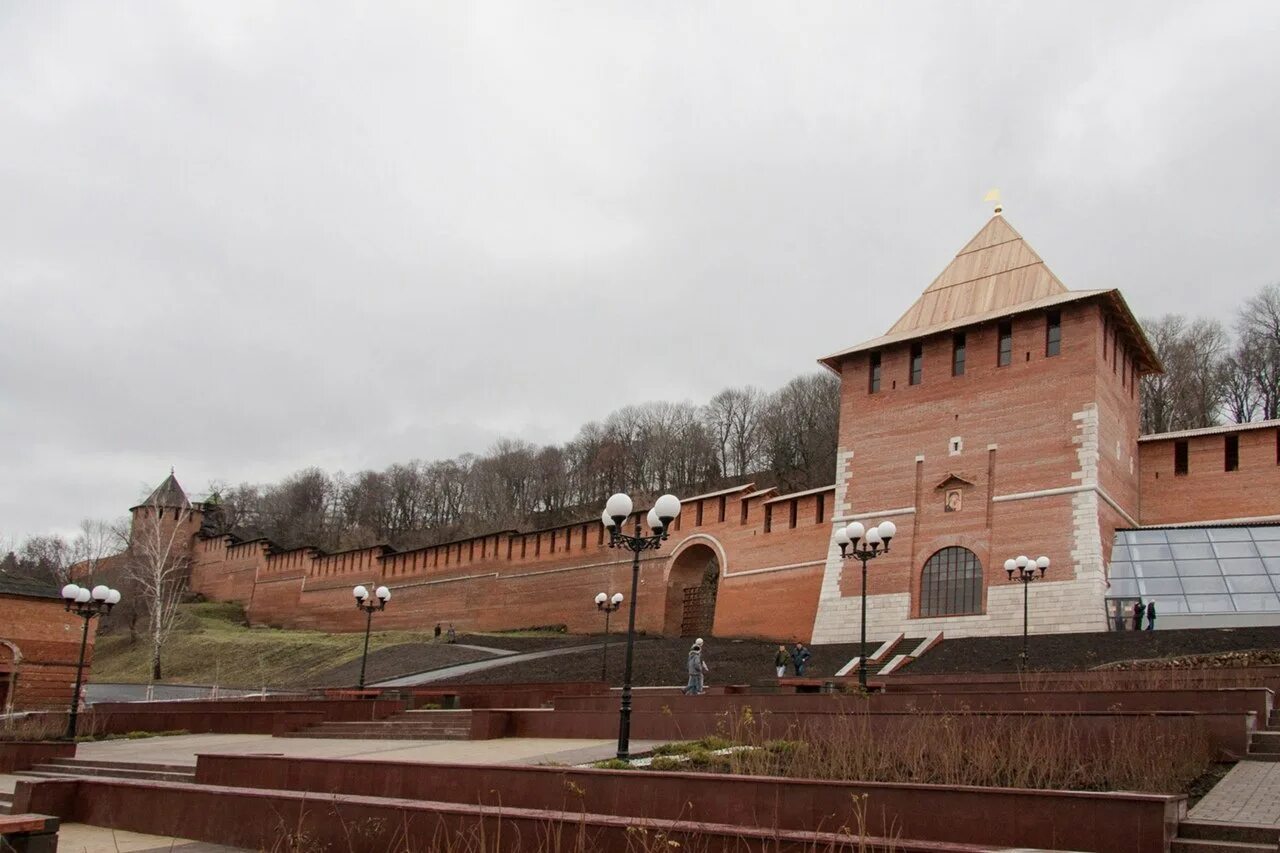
x=1231, y=458
x=697, y=521
x=723, y=501
x=821, y=514
x=1179, y=458
x=917, y=363
x=1004, y=354
x=1053, y=334
x=957, y=355
x=873, y=373
x=768, y=518
x=795, y=511
x=744, y=512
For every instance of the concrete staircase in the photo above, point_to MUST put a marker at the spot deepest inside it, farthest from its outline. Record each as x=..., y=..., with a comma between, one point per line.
x=63, y=767
x=1202, y=836
x=1264, y=743
x=409, y=725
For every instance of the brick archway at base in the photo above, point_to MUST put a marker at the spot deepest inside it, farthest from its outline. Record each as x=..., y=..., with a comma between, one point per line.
x=692, y=583
x=10, y=658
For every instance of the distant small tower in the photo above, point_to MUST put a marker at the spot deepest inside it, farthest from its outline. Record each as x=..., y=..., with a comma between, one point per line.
x=165, y=507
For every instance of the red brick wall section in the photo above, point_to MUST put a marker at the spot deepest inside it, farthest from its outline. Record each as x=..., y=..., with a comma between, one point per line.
x=48, y=640
x=1000, y=817
x=1208, y=491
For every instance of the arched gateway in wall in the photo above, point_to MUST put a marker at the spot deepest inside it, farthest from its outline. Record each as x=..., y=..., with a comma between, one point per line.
x=692, y=585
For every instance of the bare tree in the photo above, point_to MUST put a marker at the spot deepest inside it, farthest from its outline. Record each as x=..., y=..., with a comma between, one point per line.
x=1259, y=328
x=158, y=569
x=1240, y=393
x=733, y=418
x=1189, y=394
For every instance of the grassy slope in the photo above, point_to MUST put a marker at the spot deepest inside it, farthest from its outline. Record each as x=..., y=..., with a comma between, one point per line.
x=213, y=645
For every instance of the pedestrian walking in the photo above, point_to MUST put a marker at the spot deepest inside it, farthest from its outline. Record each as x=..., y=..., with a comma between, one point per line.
x=1137, y=615
x=799, y=657
x=697, y=669
x=1151, y=615
x=452, y=635
x=780, y=661
x=437, y=630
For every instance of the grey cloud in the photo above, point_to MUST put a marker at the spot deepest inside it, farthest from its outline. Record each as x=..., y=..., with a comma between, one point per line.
x=242, y=239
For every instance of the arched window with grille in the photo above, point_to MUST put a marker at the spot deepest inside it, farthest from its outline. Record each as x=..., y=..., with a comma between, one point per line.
x=951, y=584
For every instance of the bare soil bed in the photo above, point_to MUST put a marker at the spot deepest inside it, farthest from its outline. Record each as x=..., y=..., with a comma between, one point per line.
x=395, y=661
x=1088, y=651
x=661, y=661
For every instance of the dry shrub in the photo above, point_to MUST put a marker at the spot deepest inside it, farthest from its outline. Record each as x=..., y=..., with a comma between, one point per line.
x=1141, y=675
x=51, y=725
x=1017, y=751
x=571, y=834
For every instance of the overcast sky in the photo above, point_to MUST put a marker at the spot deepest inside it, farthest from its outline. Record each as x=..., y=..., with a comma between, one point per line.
x=245, y=239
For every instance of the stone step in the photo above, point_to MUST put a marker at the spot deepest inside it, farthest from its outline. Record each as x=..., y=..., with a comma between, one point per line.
x=380, y=736
x=1262, y=756
x=415, y=724
x=1208, y=845
x=372, y=730
x=124, y=765
x=103, y=772
x=6, y=802
x=1214, y=830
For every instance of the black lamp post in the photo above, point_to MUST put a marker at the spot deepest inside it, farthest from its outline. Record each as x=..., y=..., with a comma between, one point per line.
x=607, y=605
x=1024, y=569
x=864, y=544
x=86, y=604
x=365, y=603
x=617, y=510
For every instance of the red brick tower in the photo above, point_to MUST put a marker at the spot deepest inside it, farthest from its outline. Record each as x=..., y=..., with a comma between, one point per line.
x=166, y=519
x=997, y=417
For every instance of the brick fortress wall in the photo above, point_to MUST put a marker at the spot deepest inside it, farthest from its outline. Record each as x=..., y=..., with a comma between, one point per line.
x=767, y=548
x=1042, y=455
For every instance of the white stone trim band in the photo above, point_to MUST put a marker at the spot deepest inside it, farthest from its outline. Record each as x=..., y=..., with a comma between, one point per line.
x=1069, y=490
x=785, y=568
x=858, y=516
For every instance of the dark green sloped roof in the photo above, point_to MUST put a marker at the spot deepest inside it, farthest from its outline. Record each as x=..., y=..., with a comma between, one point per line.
x=14, y=585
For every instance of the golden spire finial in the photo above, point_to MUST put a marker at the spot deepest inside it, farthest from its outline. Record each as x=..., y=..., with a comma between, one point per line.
x=994, y=195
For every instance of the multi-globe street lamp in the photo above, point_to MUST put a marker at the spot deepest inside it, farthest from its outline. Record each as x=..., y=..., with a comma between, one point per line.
x=864, y=544
x=607, y=605
x=1023, y=569
x=85, y=603
x=365, y=603
x=616, y=511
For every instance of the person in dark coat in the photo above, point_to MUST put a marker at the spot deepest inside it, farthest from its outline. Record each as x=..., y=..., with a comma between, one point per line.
x=1137, y=616
x=780, y=661
x=799, y=657
x=1151, y=615
x=437, y=630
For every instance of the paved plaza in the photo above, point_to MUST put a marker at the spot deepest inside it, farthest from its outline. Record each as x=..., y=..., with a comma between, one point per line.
x=1249, y=793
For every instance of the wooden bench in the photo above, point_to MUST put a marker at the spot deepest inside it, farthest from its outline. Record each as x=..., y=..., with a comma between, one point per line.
x=29, y=833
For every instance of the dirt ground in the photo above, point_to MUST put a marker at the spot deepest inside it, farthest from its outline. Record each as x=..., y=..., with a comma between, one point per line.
x=1086, y=651
x=395, y=661
x=662, y=661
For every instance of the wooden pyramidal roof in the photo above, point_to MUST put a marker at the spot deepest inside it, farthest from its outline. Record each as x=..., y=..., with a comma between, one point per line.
x=997, y=269
x=996, y=274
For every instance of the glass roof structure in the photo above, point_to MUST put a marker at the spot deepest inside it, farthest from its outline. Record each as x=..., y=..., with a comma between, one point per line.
x=1199, y=569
